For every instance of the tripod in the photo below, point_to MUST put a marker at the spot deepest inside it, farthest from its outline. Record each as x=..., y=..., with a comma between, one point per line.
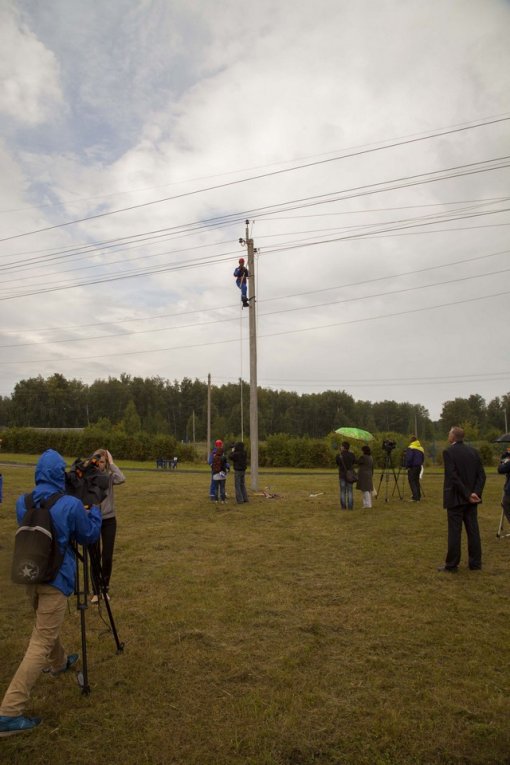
x=387, y=469
x=91, y=553
x=499, y=532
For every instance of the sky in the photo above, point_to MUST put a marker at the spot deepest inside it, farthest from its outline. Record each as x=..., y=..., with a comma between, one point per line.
x=367, y=144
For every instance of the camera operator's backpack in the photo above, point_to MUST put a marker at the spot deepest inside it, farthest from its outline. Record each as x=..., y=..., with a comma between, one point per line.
x=37, y=557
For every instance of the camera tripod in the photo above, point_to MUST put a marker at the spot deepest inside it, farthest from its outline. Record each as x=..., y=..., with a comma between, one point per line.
x=499, y=532
x=387, y=469
x=90, y=552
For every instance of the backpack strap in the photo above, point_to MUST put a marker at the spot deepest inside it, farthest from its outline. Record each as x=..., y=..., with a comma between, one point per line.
x=48, y=502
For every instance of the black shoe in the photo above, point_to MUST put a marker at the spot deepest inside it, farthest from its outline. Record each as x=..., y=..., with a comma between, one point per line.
x=475, y=568
x=448, y=569
x=246, y=304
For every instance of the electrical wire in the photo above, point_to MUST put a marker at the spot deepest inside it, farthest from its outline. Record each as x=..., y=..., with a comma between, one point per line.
x=257, y=177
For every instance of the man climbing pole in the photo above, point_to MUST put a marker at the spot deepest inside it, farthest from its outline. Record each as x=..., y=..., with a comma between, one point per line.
x=241, y=276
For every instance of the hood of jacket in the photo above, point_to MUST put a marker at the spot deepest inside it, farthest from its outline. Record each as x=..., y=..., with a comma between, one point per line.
x=49, y=475
x=416, y=445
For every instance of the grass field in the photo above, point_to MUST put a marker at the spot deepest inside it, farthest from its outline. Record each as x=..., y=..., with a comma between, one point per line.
x=284, y=632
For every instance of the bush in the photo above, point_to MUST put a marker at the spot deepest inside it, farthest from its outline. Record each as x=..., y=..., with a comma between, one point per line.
x=138, y=446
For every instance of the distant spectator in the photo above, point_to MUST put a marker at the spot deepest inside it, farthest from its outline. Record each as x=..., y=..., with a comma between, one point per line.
x=218, y=444
x=464, y=479
x=174, y=463
x=413, y=460
x=345, y=461
x=365, y=482
x=239, y=459
x=219, y=470
x=504, y=469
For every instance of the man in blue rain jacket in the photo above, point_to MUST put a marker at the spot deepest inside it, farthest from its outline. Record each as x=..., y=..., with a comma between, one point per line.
x=71, y=522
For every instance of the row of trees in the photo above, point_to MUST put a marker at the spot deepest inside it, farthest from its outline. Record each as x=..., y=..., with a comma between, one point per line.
x=179, y=409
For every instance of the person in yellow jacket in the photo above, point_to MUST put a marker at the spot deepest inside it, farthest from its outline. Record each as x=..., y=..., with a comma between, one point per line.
x=413, y=461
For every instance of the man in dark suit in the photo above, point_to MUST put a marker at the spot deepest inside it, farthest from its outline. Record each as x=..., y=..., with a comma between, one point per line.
x=464, y=479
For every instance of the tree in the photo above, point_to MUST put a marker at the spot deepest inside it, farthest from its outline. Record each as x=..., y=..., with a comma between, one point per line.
x=454, y=412
x=131, y=421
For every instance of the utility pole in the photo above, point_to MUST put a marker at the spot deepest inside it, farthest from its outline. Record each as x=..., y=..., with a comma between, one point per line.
x=242, y=408
x=254, y=411
x=208, y=415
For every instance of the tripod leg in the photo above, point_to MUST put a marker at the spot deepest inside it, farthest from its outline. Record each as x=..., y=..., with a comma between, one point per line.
x=97, y=573
x=81, y=604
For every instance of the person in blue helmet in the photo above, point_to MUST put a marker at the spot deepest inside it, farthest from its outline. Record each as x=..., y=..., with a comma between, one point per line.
x=241, y=276
x=71, y=522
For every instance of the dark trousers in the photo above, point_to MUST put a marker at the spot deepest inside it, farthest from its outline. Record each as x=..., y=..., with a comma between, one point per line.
x=413, y=476
x=103, y=551
x=467, y=515
x=240, y=486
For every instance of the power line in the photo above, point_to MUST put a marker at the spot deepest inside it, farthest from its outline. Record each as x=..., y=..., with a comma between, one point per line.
x=258, y=177
x=347, y=285
x=271, y=313
x=279, y=248
x=189, y=346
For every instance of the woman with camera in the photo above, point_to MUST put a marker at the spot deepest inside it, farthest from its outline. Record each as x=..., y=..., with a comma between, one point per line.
x=103, y=548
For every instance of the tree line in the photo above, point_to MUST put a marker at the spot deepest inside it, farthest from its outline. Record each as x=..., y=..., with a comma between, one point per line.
x=179, y=409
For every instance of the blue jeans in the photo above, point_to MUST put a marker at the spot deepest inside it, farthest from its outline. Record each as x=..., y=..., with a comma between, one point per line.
x=346, y=497
x=243, y=286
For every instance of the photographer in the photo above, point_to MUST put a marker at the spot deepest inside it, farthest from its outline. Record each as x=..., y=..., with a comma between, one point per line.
x=413, y=460
x=504, y=469
x=71, y=522
x=104, y=547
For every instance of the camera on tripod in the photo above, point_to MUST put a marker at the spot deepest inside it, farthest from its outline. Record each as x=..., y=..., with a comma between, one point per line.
x=87, y=482
x=388, y=446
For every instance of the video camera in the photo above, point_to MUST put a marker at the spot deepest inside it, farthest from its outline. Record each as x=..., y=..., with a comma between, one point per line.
x=388, y=446
x=87, y=482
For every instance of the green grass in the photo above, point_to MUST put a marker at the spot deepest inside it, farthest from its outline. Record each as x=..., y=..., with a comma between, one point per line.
x=284, y=632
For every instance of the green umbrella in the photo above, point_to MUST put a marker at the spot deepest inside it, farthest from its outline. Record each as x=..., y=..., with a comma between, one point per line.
x=356, y=433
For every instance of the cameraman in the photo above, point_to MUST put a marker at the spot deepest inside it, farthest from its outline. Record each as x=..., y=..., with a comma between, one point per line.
x=71, y=522
x=504, y=468
x=413, y=460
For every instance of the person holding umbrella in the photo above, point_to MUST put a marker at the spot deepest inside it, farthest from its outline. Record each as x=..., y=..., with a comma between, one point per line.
x=346, y=460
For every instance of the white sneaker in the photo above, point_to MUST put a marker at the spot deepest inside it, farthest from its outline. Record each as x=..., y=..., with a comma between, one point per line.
x=94, y=599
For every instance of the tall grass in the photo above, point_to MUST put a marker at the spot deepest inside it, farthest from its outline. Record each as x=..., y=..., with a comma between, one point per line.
x=283, y=632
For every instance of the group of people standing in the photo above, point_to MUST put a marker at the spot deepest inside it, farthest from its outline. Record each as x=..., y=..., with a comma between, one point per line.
x=220, y=467
x=363, y=477
x=359, y=473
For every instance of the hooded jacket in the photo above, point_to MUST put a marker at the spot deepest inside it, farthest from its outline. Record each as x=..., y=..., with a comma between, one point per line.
x=414, y=455
x=70, y=519
x=239, y=457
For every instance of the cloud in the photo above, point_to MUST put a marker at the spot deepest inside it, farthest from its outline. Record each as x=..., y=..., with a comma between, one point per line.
x=159, y=100
x=30, y=76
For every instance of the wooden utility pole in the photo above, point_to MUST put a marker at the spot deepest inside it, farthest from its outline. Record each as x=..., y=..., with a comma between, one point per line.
x=254, y=410
x=242, y=407
x=208, y=415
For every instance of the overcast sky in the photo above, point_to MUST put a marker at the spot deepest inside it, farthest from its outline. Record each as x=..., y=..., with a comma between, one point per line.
x=367, y=142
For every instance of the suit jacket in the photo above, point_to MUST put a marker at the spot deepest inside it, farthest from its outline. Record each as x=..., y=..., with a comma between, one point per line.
x=463, y=474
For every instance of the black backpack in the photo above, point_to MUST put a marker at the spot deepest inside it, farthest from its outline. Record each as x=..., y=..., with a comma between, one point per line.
x=217, y=463
x=37, y=557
